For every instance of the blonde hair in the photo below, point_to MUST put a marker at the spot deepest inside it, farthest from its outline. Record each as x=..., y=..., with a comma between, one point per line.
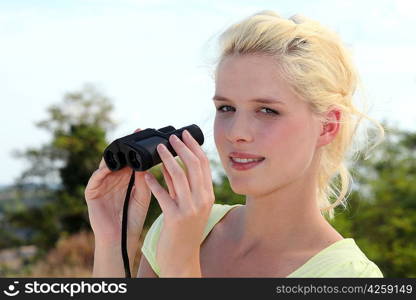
x=320, y=71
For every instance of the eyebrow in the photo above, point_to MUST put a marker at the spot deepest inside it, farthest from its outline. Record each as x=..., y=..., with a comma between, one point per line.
x=259, y=100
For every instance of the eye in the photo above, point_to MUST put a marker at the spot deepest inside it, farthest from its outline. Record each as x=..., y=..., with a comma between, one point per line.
x=221, y=107
x=270, y=110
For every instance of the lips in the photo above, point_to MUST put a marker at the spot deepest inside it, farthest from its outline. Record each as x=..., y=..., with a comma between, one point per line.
x=244, y=155
x=244, y=161
x=245, y=165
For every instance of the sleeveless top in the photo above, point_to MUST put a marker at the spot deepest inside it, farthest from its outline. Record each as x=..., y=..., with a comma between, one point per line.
x=340, y=259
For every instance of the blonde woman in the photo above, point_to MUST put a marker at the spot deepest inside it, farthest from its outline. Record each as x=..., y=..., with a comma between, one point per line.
x=284, y=124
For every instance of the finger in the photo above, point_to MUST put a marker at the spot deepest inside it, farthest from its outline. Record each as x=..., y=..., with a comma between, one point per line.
x=102, y=164
x=203, y=159
x=169, y=182
x=167, y=204
x=179, y=179
x=103, y=171
x=96, y=180
x=140, y=184
x=191, y=162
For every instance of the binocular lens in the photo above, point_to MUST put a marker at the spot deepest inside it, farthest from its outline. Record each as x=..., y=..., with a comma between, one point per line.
x=109, y=159
x=134, y=160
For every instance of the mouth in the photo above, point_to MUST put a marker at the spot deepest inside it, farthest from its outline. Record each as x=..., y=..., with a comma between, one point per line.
x=242, y=164
x=245, y=160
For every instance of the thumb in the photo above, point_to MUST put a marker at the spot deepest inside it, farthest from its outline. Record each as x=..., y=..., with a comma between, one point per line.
x=142, y=192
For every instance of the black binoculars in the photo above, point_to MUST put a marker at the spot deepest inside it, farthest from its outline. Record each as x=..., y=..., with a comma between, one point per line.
x=138, y=150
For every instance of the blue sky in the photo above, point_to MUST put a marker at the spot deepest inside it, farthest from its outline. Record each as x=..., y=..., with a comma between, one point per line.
x=153, y=59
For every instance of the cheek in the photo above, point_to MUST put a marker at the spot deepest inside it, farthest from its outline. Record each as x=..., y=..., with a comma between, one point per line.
x=219, y=136
x=288, y=149
x=217, y=132
x=291, y=150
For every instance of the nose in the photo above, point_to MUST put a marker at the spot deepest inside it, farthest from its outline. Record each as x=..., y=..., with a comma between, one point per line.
x=239, y=129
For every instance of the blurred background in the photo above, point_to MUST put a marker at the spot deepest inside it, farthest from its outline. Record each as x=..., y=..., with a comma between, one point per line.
x=75, y=75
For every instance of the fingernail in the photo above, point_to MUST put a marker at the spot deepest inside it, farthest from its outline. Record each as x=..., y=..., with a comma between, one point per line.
x=186, y=133
x=161, y=147
x=174, y=137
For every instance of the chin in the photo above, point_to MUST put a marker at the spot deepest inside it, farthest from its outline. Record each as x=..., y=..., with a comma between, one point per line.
x=245, y=186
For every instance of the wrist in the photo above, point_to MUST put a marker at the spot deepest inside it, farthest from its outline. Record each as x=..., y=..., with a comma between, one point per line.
x=113, y=247
x=108, y=260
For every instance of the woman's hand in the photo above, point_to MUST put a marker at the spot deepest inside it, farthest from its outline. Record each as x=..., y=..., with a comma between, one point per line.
x=105, y=195
x=186, y=208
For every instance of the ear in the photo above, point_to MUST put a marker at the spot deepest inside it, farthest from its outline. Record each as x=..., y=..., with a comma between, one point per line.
x=329, y=129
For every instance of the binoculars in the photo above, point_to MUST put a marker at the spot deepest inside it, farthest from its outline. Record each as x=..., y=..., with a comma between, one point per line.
x=138, y=150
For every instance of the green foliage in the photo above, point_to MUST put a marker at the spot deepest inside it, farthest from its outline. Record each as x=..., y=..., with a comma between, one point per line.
x=78, y=127
x=383, y=222
x=224, y=193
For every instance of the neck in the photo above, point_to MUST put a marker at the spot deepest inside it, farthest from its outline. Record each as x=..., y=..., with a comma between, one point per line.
x=282, y=220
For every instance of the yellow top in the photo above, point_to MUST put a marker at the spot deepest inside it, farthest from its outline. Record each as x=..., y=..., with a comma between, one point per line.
x=340, y=259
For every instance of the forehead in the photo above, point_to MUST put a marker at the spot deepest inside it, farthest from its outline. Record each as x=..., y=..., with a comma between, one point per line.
x=251, y=76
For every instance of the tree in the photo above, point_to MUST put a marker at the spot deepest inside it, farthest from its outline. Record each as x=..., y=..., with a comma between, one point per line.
x=62, y=167
x=382, y=220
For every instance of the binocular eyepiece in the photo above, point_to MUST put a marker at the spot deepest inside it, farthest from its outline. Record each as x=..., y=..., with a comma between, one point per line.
x=138, y=150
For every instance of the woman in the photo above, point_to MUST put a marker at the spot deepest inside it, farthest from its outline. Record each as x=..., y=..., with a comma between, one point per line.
x=283, y=127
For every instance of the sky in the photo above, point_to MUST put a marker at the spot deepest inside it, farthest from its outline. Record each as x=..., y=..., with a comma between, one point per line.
x=154, y=60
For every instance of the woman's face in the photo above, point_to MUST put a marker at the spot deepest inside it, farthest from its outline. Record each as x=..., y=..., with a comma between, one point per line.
x=283, y=131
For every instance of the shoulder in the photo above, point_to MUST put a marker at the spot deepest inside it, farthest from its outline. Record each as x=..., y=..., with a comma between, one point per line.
x=342, y=259
x=359, y=268
x=150, y=242
x=356, y=264
x=353, y=268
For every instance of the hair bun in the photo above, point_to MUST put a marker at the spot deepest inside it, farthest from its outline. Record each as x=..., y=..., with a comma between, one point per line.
x=267, y=13
x=298, y=19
